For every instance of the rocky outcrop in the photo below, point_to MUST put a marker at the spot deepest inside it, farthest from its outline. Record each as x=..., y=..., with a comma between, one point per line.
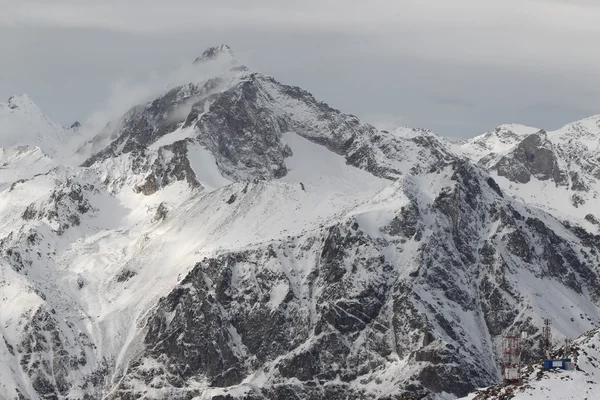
x=171, y=165
x=65, y=206
x=534, y=156
x=145, y=124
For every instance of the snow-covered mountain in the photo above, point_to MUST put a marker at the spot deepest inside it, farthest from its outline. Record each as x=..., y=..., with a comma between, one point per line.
x=558, y=171
x=235, y=238
x=24, y=124
x=498, y=141
x=30, y=143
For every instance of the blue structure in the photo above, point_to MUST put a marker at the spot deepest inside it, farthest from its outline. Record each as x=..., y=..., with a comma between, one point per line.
x=564, y=363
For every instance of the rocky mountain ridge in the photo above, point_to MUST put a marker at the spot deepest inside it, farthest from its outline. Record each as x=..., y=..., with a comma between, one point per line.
x=24, y=124
x=557, y=170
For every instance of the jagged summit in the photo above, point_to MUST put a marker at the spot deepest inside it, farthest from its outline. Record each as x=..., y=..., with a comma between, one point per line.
x=512, y=128
x=22, y=101
x=498, y=140
x=22, y=123
x=220, y=52
x=586, y=131
x=504, y=137
x=593, y=121
x=557, y=170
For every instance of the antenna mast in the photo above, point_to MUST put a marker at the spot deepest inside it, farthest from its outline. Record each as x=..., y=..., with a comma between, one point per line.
x=547, y=338
x=511, y=358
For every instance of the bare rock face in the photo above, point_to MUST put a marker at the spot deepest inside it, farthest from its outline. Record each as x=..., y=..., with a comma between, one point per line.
x=241, y=131
x=64, y=208
x=534, y=156
x=145, y=124
x=51, y=353
x=243, y=325
x=170, y=165
x=240, y=118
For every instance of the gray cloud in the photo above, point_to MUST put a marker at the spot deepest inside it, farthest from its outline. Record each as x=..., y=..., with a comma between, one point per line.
x=459, y=67
x=452, y=101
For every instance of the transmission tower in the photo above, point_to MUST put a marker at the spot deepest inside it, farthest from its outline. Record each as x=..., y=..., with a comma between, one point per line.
x=547, y=338
x=511, y=358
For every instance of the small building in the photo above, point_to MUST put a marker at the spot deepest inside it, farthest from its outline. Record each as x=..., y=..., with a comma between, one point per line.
x=564, y=363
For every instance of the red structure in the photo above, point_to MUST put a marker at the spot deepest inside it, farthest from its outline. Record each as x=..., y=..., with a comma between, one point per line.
x=511, y=358
x=546, y=338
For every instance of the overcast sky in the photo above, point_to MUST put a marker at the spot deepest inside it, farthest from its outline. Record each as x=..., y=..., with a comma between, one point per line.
x=458, y=67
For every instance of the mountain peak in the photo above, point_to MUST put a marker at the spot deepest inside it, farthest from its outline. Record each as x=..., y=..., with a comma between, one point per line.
x=22, y=101
x=584, y=129
x=221, y=51
x=516, y=130
x=22, y=123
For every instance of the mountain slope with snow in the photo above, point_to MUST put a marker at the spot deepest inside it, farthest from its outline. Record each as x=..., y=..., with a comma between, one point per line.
x=498, y=141
x=30, y=143
x=235, y=238
x=558, y=171
x=24, y=124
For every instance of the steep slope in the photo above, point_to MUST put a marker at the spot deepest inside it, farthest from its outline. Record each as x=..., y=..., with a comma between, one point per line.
x=498, y=141
x=237, y=238
x=30, y=143
x=22, y=123
x=558, y=171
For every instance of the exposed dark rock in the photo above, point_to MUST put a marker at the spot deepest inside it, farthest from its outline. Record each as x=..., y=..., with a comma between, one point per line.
x=125, y=275
x=406, y=224
x=592, y=219
x=494, y=186
x=231, y=199
x=171, y=165
x=143, y=125
x=533, y=156
x=577, y=183
x=240, y=130
x=577, y=200
x=161, y=212
x=50, y=376
x=447, y=378
x=30, y=212
x=149, y=187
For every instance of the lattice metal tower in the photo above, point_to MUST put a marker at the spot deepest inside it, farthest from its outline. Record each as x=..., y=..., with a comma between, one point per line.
x=547, y=338
x=511, y=358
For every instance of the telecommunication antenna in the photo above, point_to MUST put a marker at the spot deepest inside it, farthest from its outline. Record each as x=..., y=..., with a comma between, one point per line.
x=511, y=358
x=547, y=338
x=567, y=347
